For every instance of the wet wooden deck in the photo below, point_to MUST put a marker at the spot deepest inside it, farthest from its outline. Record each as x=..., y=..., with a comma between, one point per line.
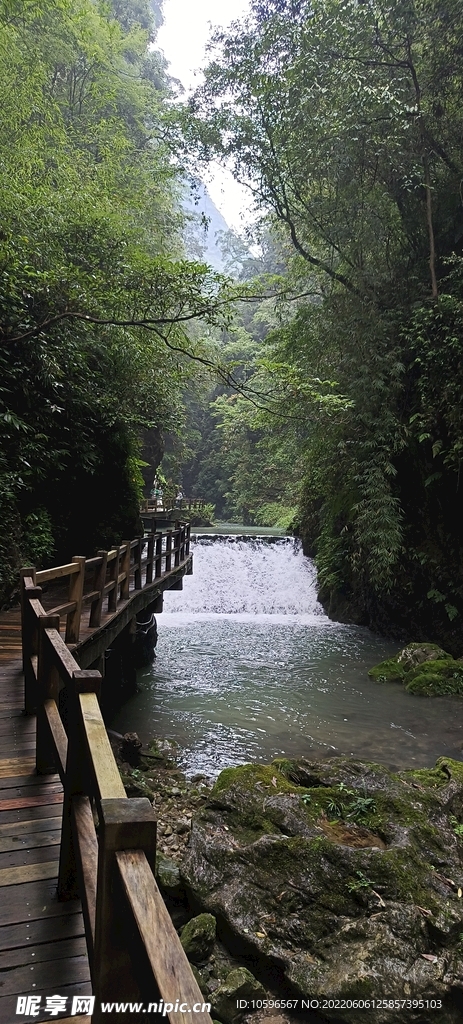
x=42, y=943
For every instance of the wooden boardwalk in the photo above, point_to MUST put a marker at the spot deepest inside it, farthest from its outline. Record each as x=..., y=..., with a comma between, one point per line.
x=42, y=941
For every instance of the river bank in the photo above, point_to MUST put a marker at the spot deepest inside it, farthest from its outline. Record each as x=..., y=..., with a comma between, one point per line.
x=336, y=878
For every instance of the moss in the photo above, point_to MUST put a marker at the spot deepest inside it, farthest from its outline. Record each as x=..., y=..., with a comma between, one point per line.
x=424, y=669
x=251, y=775
x=388, y=671
x=432, y=778
x=250, y=818
x=436, y=678
x=403, y=877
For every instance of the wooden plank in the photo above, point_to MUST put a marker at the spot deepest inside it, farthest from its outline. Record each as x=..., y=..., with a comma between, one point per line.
x=62, y=609
x=14, y=766
x=30, y=801
x=57, y=572
x=46, y=976
x=28, y=873
x=24, y=814
x=170, y=967
x=87, y=862
x=20, y=828
x=38, y=901
x=106, y=773
x=22, y=855
x=30, y=840
x=63, y=657
x=22, y=956
x=31, y=785
x=33, y=933
x=58, y=733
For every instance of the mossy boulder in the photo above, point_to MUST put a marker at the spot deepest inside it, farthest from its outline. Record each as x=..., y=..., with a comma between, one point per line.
x=437, y=679
x=350, y=885
x=198, y=937
x=239, y=985
x=423, y=669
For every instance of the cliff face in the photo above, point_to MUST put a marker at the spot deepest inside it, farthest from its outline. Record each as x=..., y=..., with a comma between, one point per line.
x=423, y=604
x=204, y=224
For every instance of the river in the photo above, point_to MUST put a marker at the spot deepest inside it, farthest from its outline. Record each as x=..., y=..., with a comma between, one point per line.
x=249, y=667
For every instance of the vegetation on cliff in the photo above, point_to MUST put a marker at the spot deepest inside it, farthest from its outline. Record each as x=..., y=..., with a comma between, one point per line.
x=95, y=292
x=345, y=119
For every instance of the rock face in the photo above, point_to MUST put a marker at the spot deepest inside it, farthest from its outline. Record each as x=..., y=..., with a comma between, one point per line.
x=423, y=669
x=341, y=878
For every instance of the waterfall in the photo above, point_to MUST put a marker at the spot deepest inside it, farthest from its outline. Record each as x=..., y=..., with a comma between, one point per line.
x=247, y=575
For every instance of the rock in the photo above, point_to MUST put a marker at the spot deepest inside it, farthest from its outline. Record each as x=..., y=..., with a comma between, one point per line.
x=204, y=987
x=240, y=984
x=135, y=784
x=424, y=669
x=182, y=826
x=417, y=654
x=198, y=937
x=130, y=749
x=351, y=885
x=168, y=877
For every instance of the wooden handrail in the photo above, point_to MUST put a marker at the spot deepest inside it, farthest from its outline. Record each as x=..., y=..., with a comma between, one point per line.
x=115, y=574
x=109, y=865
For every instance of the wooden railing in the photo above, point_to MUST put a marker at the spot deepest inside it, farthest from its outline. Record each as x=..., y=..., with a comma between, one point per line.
x=108, y=842
x=115, y=575
x=169, y=501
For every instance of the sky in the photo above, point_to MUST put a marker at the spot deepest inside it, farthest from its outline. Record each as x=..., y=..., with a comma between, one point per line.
x=183, y=38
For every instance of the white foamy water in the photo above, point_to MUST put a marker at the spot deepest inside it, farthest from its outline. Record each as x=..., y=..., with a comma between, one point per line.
x=254, y=576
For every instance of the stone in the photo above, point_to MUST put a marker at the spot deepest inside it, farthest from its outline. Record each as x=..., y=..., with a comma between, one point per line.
x=198, y=937
x=239, y=984
x=168, y=877
x=424, y=669
x=351, y=885
x=130, y=749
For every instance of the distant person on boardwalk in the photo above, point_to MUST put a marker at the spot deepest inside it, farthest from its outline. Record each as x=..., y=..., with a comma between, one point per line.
x=179, y=498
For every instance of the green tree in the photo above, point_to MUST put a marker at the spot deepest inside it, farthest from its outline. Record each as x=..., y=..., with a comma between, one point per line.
x=344, y=118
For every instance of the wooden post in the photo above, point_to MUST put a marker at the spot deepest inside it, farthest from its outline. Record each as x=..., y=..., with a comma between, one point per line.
x=177, y=546
x=158, y=559
x=187, y=540
x=149, y=560
x=125, y=567
x=29, y=638
x=76, y=589
x=76, y=780
x=48, y=685
x=169, y=551
x=124, y=825
x=99, y=584
x=137, y=553
x=113, y=578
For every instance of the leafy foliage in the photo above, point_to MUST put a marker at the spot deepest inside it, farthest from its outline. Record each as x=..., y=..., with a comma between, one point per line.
x=345, y=120
x=95, y=295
